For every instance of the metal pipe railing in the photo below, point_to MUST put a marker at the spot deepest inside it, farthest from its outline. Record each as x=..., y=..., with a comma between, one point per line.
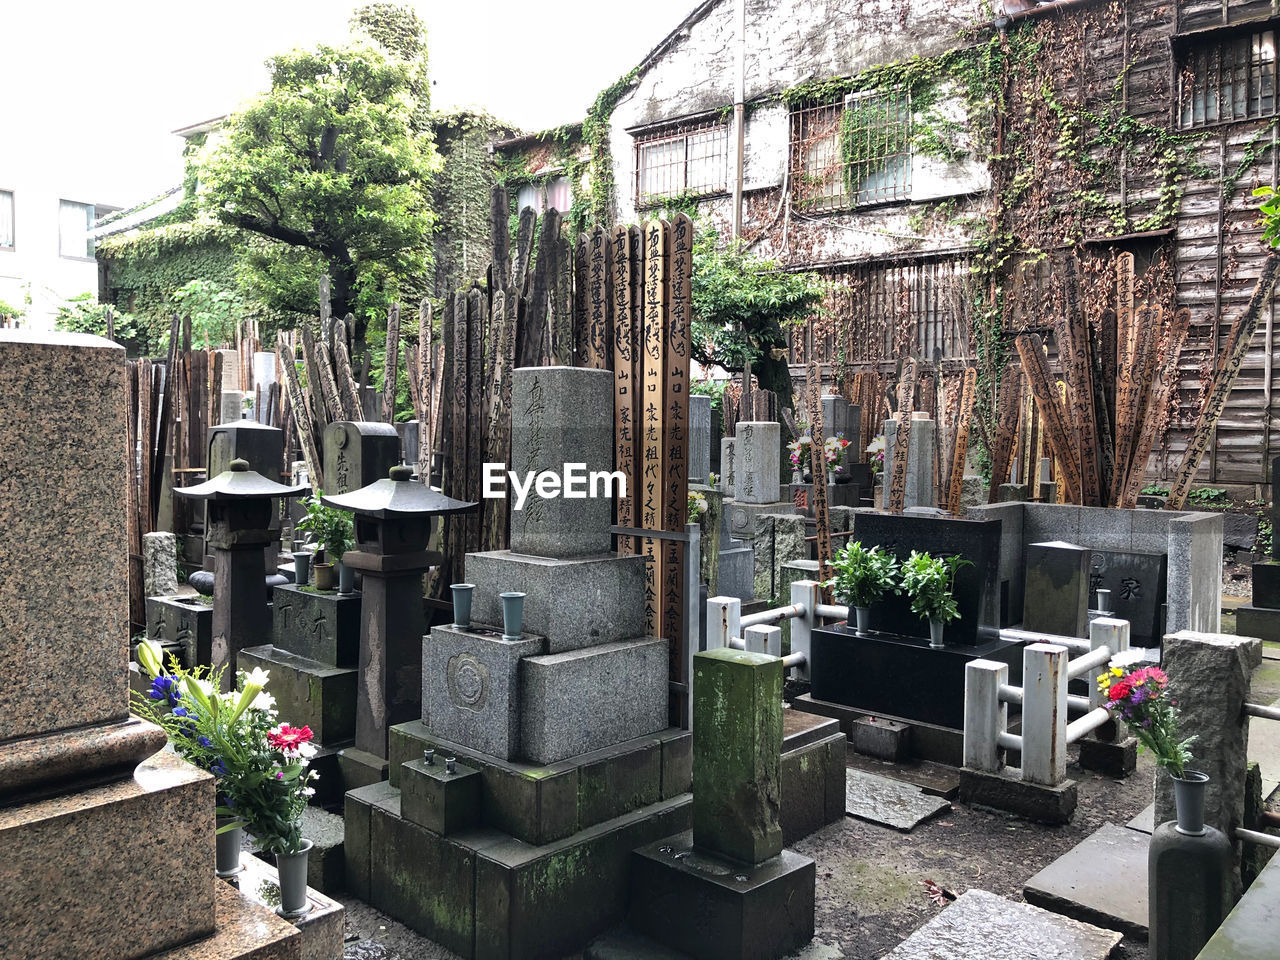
x=1085, y=725
x=1258, y=710
x=1262, y=839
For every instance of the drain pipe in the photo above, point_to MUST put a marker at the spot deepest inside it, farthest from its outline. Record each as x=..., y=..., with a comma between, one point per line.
x=739, y=117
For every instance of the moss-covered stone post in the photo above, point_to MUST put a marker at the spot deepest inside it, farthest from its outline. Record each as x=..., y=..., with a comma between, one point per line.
x=737, y=749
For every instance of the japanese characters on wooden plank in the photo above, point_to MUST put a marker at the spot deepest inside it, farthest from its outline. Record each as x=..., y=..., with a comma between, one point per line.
x=626, y=380
x=897, y=488
x=652, y=485
x=960, y=449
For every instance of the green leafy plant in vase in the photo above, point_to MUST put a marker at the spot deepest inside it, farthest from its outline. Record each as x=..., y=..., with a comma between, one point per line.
x=863, y=575
x=929, y=581
x=334, y=530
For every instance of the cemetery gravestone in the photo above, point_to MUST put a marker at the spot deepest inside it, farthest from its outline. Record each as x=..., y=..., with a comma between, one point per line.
x=728, y=466
x=699, y=439
x=756, y=456
x=1058, y=579
x=919, y=490
x=1137, y=582
x=357, y=453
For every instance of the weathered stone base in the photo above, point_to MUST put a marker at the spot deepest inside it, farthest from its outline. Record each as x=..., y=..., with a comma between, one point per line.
x=1258, y=622
x=542, y=804
x=716, y=909
x=1031, y=800
x=608, y=593
x=61, y=853
x=321, y=927
x=318, y=625
x=882, y=739
x=360, y=768
x=813, y=752
x=308, y=692
x=1109, y=759
x=481, y=893
x=182, y=624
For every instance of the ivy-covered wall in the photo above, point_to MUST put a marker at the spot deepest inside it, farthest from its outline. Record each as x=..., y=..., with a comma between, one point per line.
x=143, y=271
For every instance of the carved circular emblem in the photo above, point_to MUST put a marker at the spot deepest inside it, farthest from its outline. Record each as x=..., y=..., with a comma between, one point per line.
x=468, y=682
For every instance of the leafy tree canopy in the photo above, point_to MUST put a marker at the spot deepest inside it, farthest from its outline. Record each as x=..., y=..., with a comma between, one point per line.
x=328, y=168
x=740, y=303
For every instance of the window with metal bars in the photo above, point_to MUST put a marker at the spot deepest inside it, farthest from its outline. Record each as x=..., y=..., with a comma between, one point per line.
x=1227, y=77
x=851, y=154
x=689, y=160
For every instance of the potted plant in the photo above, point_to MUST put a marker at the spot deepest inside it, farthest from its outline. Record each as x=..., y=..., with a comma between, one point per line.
x=862, y=576
x=334, y=530
x=928, y=580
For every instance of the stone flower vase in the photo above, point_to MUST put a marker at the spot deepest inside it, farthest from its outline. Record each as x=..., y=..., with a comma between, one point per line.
x=862, y=616
x=1189, y=868
x=831, y=478
x=228, y=845
x=512, y=615
x=936, y=629
x=326, y=576
x=301, y=567
x=462, y=594
x=292, y=868
x=346, y=578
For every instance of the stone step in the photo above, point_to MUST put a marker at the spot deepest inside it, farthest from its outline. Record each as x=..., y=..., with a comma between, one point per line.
x=245, y=930
x=481, y=892
x=982, y=926
x=321, y=927
x=935, y=779
x=1102, y=881
x=889, y=803
x=308, y=692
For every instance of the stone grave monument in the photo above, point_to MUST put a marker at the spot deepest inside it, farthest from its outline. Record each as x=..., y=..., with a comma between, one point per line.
x=919, y=491
x=558, y=729
x=1057, y=576
x=85, y=789
x=699, y=438
x=757, y=494
x=727, y=888
x=1261, y=617
x=357, y=453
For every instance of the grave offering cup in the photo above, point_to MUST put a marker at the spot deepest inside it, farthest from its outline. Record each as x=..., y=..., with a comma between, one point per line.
x=512, y=615
x=462, y=593
x=302, y=567
x=936, y=629
x=346, y=578
x=292, y=869
x=862, y=617
x=228, y=847
x=326, y=576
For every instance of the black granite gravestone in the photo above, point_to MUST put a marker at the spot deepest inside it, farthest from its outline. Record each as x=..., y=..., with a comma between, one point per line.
x=1057, y=589
x=1275, y=514
x=1266, y=585
x=1138, y=585
x=976, y=588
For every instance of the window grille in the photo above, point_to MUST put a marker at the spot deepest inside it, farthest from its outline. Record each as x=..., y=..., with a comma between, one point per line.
x=6, y=220
x=851, y=154
x=547, y=195
x=1227, y=78
x=690, y=160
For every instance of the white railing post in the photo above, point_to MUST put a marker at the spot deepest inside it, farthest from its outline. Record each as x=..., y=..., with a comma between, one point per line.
x=806, y=593
x=724, y=621
x=1113, y=634
x=762, y=639
x=986, y=717
x=1044, y=714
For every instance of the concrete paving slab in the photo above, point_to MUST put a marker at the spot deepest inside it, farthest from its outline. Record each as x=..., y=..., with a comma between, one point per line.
x=890, y=803
x=981, y=926
x=1102, y=881
x=1145, y=822
x=936, y=779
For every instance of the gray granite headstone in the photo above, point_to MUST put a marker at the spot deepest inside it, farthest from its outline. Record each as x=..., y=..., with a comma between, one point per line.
x=409, y=432
x=728, y=465
x=1057, y=588
x=231, y=407
x=554, y=423
x=356, y=453
x=261, y=446
x=757, y=453
x=919, y=490
x=699, y=438
x=835, y=416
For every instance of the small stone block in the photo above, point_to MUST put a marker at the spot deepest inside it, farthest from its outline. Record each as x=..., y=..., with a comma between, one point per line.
x=737, y=713
x=471, y=688
x=803, y=808
x=357, y=810
x=882, y=739
x=321, y=926
x=182, y=621
x=1109, y=759
x=360, y=768
x=1057, y=583
x=308, y=692
x=981, y=925
x=1095, y=881
x=616, y=780
x=677, y=763
x=442, y=802
x=716, y=909
x=1005, y=791
x=1260, y=622
x=326, y=863
x=583, y=700
x=319, y=626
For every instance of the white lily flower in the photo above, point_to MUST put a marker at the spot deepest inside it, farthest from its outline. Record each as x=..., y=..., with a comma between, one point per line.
x=256, y=677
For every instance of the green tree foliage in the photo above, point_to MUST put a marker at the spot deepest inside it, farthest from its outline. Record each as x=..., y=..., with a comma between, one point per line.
x=740, y=303
x=84, y=314
x=328, y=168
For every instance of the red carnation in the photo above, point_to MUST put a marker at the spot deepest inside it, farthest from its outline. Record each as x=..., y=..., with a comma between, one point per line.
x=289, y=738
x=1120, y=689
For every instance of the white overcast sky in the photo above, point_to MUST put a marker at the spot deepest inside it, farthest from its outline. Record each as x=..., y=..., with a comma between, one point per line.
x=93, y=90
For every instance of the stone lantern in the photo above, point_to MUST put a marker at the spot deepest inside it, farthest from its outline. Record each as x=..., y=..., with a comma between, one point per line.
x=240, y=505
x=393, y=520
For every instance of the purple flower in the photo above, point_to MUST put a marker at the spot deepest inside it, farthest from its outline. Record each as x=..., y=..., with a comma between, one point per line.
x=165, y=687
x=218, y=768
x=1138, y=695
x=205, y=742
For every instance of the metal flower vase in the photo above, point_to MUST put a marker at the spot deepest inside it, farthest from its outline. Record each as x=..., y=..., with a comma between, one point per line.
x=512, y=615
x=301, y=567
x=326, y=576
x=292, y=870
x=462, y=594
x=936, y=629
x=862, y=617
x=346, y=578
x=227, y=843
x=1189, y=873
